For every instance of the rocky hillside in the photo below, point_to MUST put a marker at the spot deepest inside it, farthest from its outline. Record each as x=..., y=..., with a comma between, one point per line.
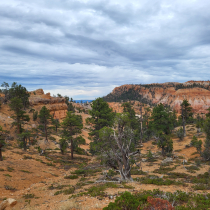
x=170, y=93
x=56, y=105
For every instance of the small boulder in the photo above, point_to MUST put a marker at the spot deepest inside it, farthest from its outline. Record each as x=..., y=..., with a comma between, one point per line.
x=167, y=160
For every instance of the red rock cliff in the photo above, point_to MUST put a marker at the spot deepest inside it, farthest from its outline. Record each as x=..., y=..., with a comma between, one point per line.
x=196, y=92
x=56, y=105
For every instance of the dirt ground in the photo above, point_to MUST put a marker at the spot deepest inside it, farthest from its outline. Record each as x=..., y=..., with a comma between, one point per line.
x=31, y=178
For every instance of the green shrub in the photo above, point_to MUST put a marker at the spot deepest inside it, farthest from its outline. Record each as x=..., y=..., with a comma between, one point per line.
x=111, y=172
x=163, y=170
x=197, y=144
x=126, y=201
x=7, y=175
x=27, y=196
x=71, y=177
x=26, y=171
x=66, y=191
x=10, y=169
x=137, y=172
x=7, y=187
x=192, y=169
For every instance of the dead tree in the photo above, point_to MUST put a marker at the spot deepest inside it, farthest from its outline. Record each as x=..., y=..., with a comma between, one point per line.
x=183, y=122
x=117, y=147
x=1, y=158
x=141, y=135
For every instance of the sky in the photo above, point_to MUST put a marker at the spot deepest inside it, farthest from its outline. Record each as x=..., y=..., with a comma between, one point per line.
x=86, y=48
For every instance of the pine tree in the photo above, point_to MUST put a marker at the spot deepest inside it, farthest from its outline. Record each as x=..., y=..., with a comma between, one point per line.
x=56, y=123
x=206, y=152
x=101, y=116
x=2, y=141
x=45, y=117
x=72, y=124
x=19, y=114
x=160, y=120
x=23, y=137
x=20, y=92
x=186, y=113
x=5, y=90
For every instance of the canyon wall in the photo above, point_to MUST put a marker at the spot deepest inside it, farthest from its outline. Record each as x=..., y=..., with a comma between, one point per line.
x=171, y=93
x=56, y=105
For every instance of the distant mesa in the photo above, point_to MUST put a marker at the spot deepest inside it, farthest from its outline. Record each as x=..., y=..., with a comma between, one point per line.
x=170, y=93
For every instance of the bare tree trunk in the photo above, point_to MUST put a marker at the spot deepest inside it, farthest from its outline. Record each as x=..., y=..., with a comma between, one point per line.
x=24, y=143
x=183, y=122
x=18, y=128
x=45, y=127
x=1, y=158
x=141, y=125
x=71, y=148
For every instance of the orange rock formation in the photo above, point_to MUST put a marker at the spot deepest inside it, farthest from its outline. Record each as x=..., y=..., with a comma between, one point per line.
x=172, y=94
x=56, y=105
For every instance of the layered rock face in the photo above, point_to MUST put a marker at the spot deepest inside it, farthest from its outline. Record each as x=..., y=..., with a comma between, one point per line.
x=172, y=94
x=56, y=105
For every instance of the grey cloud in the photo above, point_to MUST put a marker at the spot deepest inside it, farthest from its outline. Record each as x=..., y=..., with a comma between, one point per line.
x=101, y=44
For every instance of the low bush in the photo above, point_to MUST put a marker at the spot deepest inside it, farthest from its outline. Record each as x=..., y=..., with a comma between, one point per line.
x=66, y=191
x=27, y=196
x=159, y=200
x=163, y=170
x=71, y=177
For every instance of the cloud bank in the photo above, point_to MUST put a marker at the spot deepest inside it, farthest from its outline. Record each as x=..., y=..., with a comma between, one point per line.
x=85, y=48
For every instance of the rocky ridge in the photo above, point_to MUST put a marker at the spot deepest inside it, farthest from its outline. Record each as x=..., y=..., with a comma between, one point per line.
x=56, y=105
x=170, y=93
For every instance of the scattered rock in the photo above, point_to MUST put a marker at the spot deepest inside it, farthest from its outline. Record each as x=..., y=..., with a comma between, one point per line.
x=8, y=203
x=167, y=160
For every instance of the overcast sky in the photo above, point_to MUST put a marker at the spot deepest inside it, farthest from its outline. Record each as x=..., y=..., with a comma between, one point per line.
x=85, y=48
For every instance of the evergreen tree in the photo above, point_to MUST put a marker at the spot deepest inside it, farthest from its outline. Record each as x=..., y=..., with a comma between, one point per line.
x=70, y=108
x=186, y=113
x=56, y=123
x=23, y=138
x=63, y=145
x=135, y=123
x=19, y=114
x=45, y=118
x=35, y=115
x=196, y=143
x=206, y=152
x=20, y=92
x=160, y=120
x=165, y=143
x=132, y=115
x=72, y=124
x=5, y=91
x=2, y=141
x=101, y=116
x=208, y=114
